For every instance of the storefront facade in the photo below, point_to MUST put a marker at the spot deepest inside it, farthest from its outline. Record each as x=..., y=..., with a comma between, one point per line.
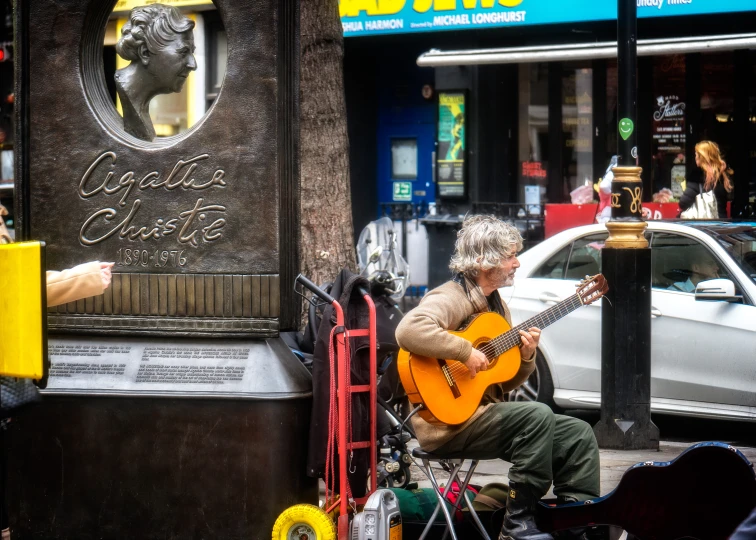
x=527, y=92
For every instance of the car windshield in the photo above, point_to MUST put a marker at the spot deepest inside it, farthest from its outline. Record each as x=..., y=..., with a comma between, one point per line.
x=739, y=240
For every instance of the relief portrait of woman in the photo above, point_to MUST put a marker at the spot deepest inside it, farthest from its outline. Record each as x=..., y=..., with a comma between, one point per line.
x=159, y=41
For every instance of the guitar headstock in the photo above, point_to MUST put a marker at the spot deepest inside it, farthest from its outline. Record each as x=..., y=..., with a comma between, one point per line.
x=592, y=288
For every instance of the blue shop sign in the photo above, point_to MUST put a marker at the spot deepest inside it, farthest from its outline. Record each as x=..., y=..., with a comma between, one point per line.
x=371, y=17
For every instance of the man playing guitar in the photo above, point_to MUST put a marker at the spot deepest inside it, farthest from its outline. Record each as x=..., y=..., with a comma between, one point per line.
x=542, y=447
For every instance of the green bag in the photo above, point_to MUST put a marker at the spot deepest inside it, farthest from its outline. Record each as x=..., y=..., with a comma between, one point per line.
x=418, y=504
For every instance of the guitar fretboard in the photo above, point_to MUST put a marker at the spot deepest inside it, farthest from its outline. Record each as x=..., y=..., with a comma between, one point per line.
x=511, y=338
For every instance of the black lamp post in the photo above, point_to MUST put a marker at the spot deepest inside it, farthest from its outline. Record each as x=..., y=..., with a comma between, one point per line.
x=626, y=263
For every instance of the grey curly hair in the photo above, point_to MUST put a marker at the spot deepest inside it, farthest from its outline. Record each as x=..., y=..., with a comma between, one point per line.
x=482, y=243
x=154, y=27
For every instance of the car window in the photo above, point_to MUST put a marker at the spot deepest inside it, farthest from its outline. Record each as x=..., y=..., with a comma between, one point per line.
x=585, y=258
x=553, y=268
x=679, y=263
x=575, y=261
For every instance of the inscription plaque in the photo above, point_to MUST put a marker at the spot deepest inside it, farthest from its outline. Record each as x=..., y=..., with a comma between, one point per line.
x=201, y=225
x=169, y=367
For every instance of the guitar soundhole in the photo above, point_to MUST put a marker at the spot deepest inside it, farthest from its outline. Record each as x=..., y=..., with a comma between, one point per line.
x=483, y=346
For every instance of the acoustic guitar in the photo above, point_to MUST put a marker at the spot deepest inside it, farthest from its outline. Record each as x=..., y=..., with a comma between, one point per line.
x=444, y=387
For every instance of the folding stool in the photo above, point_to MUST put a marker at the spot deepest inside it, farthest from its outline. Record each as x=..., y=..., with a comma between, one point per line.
x=455, y=467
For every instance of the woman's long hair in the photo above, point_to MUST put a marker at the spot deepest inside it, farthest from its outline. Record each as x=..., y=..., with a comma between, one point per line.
x=710, y=159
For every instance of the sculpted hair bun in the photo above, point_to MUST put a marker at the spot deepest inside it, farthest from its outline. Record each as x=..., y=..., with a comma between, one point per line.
x=154, y=27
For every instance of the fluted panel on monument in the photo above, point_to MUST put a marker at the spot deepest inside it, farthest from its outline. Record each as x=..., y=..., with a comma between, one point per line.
x=215, y=303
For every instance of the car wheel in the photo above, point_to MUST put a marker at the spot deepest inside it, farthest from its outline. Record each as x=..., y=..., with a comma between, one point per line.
x=538, y=387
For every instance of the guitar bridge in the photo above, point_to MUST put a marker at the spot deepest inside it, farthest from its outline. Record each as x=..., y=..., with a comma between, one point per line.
x=449, y=378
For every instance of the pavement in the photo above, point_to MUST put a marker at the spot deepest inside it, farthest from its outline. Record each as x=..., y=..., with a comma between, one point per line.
x=614, y=463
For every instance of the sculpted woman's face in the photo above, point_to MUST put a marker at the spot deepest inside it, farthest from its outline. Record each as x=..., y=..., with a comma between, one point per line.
x=170, y=66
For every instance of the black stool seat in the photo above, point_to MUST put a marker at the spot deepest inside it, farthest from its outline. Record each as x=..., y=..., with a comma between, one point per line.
x=419, y=453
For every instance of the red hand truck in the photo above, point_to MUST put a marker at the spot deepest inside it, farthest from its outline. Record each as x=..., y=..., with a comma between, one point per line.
x=342, y=501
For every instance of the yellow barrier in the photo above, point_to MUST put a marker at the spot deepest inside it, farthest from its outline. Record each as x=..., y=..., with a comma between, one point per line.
x=23, y=315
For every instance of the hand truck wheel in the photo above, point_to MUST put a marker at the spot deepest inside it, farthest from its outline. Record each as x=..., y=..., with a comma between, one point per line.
x=304, y=522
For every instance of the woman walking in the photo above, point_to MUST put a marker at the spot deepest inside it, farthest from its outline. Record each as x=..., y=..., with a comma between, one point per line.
x=711, y=174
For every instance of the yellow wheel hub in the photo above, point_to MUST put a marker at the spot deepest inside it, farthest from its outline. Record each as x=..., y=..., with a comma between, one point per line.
x=304, y=522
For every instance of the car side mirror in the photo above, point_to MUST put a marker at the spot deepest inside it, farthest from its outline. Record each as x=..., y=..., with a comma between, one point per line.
x=722, y=290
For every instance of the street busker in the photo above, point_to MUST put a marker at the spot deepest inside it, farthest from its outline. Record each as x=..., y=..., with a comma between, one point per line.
x=542, y=447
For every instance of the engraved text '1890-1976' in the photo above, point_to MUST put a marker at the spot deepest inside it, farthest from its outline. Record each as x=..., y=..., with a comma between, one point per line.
x=188, y=225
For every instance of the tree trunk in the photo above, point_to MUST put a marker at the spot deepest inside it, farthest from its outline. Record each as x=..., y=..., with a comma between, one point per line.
x=327, y=238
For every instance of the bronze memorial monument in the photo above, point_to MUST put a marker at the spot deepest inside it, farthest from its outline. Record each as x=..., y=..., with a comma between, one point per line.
x=173, y=409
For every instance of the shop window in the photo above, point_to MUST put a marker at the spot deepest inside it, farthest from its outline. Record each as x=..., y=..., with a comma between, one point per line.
x=610, y=129
x=577, y=125
x=217, y=54
x=717, y=100
x=533, y=131
x=668, y=124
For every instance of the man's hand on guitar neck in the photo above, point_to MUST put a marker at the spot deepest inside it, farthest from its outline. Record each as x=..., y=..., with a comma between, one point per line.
x=529, y=341
x=477, y=362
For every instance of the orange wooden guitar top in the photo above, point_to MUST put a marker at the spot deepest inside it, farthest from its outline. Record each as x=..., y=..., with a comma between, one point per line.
x=425, y=382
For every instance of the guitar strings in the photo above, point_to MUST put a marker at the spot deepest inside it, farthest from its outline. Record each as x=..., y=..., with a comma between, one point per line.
x=502, y=343
x=499, y=345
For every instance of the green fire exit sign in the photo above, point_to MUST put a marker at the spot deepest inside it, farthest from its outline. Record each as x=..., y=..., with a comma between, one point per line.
x=402, y=191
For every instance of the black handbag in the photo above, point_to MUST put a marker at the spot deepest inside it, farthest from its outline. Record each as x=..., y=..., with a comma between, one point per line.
x=15, y=394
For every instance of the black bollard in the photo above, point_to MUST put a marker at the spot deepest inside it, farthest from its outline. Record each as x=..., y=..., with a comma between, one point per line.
x=626, y=263
x=626, y=352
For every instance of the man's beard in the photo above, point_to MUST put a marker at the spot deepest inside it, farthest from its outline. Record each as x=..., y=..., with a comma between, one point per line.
x=503, y=279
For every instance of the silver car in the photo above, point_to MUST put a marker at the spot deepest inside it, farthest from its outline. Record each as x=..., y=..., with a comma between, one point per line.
x=703, y=351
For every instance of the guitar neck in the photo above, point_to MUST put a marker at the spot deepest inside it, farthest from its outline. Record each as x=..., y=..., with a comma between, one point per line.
x=511, y=338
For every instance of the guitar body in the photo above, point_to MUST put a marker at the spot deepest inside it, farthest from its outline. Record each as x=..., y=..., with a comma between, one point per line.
x=426, y=383
x=705, y=493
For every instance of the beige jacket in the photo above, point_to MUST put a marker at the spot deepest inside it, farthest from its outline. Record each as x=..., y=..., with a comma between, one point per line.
x=73, y=284
x=424, y=331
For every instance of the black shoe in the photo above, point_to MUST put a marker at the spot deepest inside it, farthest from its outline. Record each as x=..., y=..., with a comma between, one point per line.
x=519, y=521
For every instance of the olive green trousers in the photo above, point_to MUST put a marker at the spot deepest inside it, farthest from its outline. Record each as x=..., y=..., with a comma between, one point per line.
x=542, y=447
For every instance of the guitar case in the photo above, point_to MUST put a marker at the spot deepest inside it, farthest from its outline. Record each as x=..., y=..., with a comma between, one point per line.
x=704, y=493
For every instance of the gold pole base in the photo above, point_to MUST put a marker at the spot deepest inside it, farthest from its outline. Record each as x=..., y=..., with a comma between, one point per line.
x=626, y=234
